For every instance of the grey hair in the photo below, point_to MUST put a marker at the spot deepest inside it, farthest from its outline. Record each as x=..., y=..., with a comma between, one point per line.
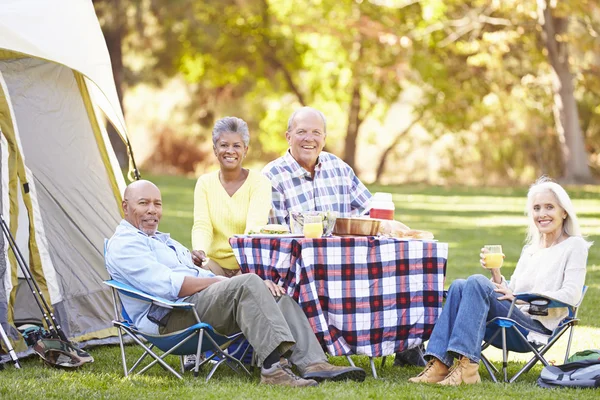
x=291, y=120
x=571, y=225
x=231, y=125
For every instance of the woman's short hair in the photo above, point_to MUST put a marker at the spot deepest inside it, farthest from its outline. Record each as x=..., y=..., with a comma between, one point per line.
x=570, y=224
x=231, y=125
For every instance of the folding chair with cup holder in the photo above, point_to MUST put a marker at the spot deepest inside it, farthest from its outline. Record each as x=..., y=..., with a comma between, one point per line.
x=506, y=334
x=199, y=339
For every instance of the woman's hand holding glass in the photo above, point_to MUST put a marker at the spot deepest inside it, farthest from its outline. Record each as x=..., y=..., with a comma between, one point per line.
x=491, y=258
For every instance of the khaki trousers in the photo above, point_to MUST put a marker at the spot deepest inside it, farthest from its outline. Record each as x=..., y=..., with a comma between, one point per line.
x=243, y=303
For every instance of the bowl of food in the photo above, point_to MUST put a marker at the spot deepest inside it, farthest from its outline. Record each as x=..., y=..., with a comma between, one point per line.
x=356, y=226
x=327, y=217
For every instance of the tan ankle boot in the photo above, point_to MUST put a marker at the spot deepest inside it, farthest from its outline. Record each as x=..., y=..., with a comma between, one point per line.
x=435, y=371
x=463, y=371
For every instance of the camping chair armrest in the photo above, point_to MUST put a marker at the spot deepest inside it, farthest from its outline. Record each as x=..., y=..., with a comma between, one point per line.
x=552, y=303
x=138, y=294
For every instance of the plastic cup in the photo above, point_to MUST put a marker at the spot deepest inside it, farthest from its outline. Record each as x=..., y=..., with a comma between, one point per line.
x=494, y=256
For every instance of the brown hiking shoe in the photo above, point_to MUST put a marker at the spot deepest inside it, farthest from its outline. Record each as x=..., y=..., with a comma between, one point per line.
x=435, y=371
x=281, y=374
x=323, y=370
x=463, y=371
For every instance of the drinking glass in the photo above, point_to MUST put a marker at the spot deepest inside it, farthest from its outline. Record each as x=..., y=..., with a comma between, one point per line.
x=494, y=256
x=313, y=226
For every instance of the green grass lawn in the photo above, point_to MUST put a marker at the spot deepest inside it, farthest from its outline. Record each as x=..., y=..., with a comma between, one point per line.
x=466, y=218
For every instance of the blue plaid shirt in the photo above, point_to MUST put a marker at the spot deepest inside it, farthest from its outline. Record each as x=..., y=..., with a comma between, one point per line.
x=334, y=187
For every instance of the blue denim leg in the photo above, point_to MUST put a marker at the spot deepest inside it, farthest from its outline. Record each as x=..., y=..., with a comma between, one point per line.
x=444, y=326
x=468, y=308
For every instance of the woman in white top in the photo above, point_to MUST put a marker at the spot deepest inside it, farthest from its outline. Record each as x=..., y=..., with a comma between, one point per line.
x=552, y=263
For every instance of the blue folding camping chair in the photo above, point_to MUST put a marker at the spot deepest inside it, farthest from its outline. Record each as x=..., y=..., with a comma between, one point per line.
x=506, y=334
x=199, y=339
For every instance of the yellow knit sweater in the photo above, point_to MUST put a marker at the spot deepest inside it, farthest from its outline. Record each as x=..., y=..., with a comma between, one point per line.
x=217, y=216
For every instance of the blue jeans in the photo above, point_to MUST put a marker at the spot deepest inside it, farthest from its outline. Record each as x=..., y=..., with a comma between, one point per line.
x=470, y=304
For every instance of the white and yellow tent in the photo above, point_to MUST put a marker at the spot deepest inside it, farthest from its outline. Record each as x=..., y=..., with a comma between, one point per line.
x=61, y=183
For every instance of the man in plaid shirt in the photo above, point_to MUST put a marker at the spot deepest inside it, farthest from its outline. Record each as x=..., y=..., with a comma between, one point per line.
x=307, y=178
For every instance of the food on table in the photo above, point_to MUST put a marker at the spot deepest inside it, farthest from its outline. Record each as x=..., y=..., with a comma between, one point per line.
x=417, y=234
x=392, y=228
x=275, y=229
x=271, y=229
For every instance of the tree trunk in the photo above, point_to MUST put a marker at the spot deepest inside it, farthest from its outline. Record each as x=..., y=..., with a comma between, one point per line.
x=113, y=29
x=388, y=150
x=354, y=123
x=566, y=116
x=354, y=116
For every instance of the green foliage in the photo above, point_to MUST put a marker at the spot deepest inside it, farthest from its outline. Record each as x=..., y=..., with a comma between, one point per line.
x=480, y=67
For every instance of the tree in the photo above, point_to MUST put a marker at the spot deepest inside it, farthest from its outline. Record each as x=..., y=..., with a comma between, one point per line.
x=111, y=15
x=566, y=115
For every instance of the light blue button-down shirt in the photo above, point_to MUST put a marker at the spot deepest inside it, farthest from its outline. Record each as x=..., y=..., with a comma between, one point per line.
x=154, y=264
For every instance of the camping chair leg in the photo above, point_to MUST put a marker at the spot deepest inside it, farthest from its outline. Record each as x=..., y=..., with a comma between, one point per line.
x=139, y=360
x=181, y=364
x=568, y=352
x=198, y=350
x=350, y=361
x=539, y=356
x=123, y=359
x=224, y=356
x=383, y=362
x=373, y=370
x=504, y=355
x=116, y=311
x=490, y=368
x=157, y=359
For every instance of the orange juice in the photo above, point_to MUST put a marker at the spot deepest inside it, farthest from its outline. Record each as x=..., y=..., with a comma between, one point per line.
x=493, y=260
x=313, y=230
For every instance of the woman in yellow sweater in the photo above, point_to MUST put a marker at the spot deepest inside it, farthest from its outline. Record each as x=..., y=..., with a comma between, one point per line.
x=232, y=200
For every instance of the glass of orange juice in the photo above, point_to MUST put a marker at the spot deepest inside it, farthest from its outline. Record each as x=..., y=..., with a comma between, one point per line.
x=494, y=256
x=313, y=226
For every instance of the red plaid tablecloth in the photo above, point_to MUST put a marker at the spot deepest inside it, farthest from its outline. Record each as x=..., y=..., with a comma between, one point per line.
x=362, y=295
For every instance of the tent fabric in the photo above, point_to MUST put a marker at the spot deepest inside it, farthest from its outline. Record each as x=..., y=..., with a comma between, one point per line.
x=61, y=184
x=65, y=32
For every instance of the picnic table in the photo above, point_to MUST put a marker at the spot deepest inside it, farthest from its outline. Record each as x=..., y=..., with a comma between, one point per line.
x=362, y=295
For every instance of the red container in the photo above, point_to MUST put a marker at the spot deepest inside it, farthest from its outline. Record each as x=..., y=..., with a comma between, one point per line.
x=381, y=214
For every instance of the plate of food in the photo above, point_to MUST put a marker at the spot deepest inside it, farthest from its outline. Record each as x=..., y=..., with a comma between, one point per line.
x=271, y=231
x=274, y=235
x=414, y=234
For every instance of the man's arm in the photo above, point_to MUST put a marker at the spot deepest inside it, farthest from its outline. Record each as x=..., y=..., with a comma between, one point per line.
x=130, y=260
x=359, y=193
x=193, y=285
